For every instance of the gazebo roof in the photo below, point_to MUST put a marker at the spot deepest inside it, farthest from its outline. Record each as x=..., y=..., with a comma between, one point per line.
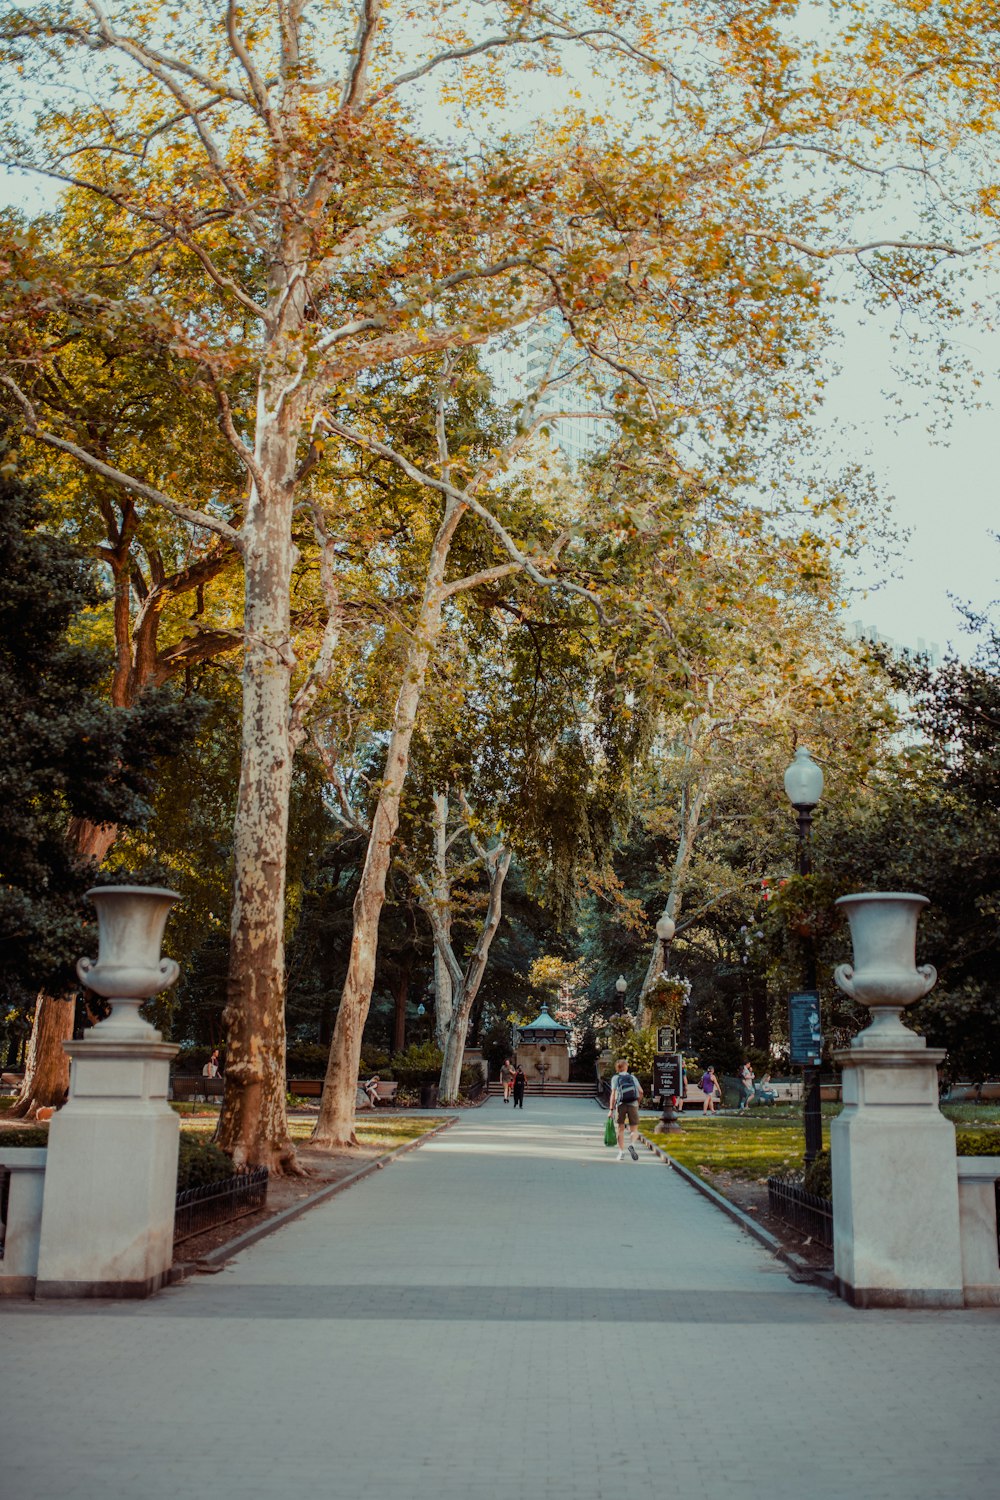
x=543, y=1025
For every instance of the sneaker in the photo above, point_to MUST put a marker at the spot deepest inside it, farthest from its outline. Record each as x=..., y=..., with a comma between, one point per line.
x=633, y=1152
x=620, y=1156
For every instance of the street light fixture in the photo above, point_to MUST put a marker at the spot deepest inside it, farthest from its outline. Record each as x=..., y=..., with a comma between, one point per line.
x=621, y=985
x=804, y=787
x=665, y=929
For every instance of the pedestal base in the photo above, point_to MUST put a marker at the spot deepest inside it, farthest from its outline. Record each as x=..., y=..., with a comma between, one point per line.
x=896, y=1236
x=111, y=1175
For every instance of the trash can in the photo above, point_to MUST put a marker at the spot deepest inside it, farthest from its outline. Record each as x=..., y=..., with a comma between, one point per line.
x=428, y=1096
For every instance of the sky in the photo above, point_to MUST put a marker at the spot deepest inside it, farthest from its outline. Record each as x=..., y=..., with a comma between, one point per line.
x=944, y=487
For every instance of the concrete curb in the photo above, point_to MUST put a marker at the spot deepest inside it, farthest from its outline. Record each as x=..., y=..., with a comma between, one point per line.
x=217, y=1258
x=803, y=1270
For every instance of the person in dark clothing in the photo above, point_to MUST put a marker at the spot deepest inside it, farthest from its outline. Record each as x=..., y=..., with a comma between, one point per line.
x=519, y=1081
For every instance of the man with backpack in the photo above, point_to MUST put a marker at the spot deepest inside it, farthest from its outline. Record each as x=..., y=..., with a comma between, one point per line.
x=626, y=1096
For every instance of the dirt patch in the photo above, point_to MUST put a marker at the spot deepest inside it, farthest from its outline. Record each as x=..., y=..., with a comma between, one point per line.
x=323, y=1168
x=752, y=1198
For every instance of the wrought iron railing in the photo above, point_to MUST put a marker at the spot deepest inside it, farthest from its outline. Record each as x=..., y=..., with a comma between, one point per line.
x=806, y=1211
x=215, y=1203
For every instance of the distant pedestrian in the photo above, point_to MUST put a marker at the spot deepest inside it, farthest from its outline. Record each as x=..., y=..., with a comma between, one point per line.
x=626, y=1096
x=745, y=1079
x=211, y=1068
x=507, y=1078
x=519, y=1082
x=709, y=1084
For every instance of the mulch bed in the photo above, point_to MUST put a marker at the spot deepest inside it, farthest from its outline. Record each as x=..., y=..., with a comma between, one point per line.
x=752, y=1198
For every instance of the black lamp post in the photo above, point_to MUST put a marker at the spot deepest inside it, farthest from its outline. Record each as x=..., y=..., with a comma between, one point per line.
x=621, y=985
x=804, y=787
x=665, y=929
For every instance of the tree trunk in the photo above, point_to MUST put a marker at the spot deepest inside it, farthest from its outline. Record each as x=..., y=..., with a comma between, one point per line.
x=399, y=1015
x=253, y=1125
x=335, y=1124
x=46, y=1068
x=444, y=996
x=451, y=1065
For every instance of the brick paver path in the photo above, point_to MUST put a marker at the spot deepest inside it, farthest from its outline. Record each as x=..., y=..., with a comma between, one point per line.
x=507, y=1310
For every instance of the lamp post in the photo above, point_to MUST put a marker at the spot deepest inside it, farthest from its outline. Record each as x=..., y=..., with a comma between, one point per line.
x=804, y=787
x=665, y=929
x=621, y=985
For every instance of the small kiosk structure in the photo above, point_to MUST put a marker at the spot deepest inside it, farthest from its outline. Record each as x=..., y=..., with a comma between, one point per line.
x=543, y=1049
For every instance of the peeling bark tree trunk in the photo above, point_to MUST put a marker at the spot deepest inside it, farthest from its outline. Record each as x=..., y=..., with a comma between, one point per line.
x=497, y=865
x=253, y=1125
x=335, y=1125
x=693, y=798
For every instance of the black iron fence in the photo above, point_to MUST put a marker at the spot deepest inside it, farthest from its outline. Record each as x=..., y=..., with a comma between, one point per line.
x=205, y=1207
x=806, y=1211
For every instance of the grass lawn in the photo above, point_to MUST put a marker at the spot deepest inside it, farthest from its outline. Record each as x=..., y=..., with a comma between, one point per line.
x=751, y=1147
x=379, y=1135
x=756, y=1145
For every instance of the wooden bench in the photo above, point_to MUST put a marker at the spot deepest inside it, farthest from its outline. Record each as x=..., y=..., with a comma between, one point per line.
x=190, y=1089
x=312, y=1088
x=306, y=1088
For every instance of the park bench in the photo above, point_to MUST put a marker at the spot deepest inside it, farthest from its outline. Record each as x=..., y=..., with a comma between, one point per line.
x=189, y=1089
x=312, y=1088
x=10, y=1083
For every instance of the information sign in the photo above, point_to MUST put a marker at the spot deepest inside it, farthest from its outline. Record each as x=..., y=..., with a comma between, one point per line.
x=666, y=1039
x=668, y=1075
x=805, y=1039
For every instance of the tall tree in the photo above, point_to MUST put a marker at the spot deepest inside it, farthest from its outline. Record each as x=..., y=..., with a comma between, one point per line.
x=67, y=759
x=291, y=222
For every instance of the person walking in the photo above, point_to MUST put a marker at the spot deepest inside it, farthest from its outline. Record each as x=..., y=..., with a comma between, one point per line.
x=211, y=1068
x=507, y=1078
x=746, y=1087
x=626, y=1096
x=519, y=1082
x=709, y=1084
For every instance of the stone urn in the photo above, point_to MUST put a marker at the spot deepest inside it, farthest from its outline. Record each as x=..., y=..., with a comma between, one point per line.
x=884, y=975
x=129, y=969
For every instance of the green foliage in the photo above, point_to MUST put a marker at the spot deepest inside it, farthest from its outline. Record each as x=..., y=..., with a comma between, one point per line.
x=420, y=1063
x=309, y=1060
x=64, y=752
x=31, y=1135
x=636, y=1045
x=818, y=1177
x=713, y=1034
x=200, y=1161
x=978, y=1142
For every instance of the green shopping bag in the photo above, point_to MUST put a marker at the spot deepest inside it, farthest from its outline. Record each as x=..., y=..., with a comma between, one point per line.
x=610, y=1134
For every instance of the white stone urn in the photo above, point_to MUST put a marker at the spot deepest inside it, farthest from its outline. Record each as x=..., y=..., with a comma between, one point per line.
x=129, y=969
x=884, y=975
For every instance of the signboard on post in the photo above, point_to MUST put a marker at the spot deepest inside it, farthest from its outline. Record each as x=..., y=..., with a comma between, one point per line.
x=805, y=1039
x=668, y=1075
x=666, y=1039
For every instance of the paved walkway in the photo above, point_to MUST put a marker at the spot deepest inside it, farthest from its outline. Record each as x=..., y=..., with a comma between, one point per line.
x=507, y=1307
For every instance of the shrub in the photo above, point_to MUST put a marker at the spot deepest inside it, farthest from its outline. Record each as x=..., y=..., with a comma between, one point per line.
x=420, y=1063
x=200, y=1161
x=306, y=1060
x=31, y=1135
x=978, y=1142
x=374, y=1061
x=818, y=1179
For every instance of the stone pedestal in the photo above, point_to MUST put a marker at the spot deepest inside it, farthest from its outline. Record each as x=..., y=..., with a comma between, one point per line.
x=111, y=1176
x=19, y=1265
x=896, y=1239
x=978, y=1203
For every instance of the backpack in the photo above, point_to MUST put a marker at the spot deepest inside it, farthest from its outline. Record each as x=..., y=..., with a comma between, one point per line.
x=628, y=1089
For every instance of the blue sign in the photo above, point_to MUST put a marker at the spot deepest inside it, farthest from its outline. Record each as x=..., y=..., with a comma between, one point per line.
x=805, y=1038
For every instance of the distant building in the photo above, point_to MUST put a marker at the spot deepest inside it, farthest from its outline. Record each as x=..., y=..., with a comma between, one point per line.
x=929, y=650
x=543, y=352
